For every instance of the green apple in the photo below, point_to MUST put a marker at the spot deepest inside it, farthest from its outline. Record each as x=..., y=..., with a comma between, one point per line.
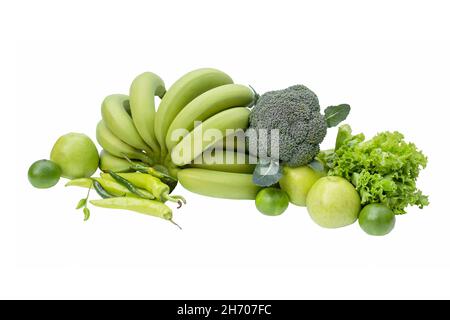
x=333, y=202
x=296, y=182
x=76, y=154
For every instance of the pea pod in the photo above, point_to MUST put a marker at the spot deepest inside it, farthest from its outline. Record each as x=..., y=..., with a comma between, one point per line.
x=148, y=207
x=152, y=184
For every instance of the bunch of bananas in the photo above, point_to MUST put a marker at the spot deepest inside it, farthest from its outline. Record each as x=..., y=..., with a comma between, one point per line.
x=132, y=128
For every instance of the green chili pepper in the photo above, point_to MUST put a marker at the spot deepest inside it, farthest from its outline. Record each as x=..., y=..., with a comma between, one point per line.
x=101, y=191
x=127, y=184
x=82, y=182
x=118, y=190
x=111, y=186
x=163, y=176
x=148, y=207
x=152, y=184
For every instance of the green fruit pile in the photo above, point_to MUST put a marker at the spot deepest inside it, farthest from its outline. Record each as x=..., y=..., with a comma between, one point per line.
x=193, y=137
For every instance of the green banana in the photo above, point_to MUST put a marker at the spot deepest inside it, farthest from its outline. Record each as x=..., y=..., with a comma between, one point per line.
x=117, y=147
x=113, y=163
x=218, y=184
x=225, y=160
x=233, y=143
x=206, y=105
x=143, y=90
x=119, y=121
x=183, y=91
x=208, y=134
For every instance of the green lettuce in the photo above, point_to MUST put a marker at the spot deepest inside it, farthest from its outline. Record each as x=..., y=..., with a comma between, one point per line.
x=383, y=169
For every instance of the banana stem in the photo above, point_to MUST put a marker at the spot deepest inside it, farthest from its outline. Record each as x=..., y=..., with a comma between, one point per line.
x=163, y=155
x=128, y=159
x=256, y=94
x=145, y=158
x=155, y=155
x=149, y=152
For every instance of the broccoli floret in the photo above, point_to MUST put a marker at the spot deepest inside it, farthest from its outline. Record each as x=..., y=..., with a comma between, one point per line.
x=295, y=112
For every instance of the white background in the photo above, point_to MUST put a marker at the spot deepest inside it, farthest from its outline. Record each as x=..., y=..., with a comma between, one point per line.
x=388, y=59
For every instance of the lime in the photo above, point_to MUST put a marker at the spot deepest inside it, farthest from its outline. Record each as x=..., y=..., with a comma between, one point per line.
x=76, y=154
x=272, y=201
x=44, y=174
x=376, y=219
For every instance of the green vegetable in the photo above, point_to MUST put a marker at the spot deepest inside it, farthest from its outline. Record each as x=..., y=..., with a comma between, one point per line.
x=333, y=202
x=127, y=184
x=100, y=191
x=272, y=201
x=297, y=182
x=267, y=172
x=149, y=183
x=165, y=178
x=81, y=182
x=295, y=112
x=156, y=171
x=376, y=219
x=383, y=169
x=76, y=154
x=344, y=133
x=117, y=190
x=148, y=207
x=44, y=174
x=111, y=186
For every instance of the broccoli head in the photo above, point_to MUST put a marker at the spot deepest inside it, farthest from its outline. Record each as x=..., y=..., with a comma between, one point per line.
x=295, y=112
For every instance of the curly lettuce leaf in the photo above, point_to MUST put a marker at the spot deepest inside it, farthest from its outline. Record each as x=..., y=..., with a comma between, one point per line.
x=383, y=169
